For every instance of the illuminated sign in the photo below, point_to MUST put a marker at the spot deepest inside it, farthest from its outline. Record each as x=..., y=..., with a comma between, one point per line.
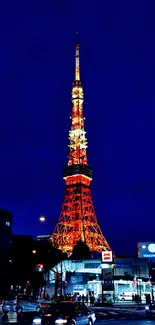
x=123, y=265
x=151, y=248
x=92, y=265
x=146, y=250
x=107, y=256
x=105, y=266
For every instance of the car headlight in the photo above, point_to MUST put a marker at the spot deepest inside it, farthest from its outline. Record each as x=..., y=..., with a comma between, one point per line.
x=147, y=307
x=37, y=321
x=61, y=321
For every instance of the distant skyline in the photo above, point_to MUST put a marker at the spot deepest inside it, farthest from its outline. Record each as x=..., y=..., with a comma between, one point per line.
x=118, y=73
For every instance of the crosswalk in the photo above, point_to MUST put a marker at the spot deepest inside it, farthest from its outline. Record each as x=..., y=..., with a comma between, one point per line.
x=106, y=313
x=9, y=318
x=119, y=314
x=12, y=317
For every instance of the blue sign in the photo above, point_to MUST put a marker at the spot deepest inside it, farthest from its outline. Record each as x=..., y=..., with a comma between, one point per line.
x=146, y=250
x=92, y=265
x=123, y=265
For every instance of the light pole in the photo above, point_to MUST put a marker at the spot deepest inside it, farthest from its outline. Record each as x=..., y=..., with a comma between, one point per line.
x=45, y=268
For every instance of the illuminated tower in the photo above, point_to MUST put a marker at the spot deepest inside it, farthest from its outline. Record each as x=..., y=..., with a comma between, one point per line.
x=77, y=219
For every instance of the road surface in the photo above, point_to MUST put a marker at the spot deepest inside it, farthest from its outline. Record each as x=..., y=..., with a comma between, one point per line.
x=104, y=317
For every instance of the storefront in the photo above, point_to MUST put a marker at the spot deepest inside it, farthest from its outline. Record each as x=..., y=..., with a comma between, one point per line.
x=131, y=275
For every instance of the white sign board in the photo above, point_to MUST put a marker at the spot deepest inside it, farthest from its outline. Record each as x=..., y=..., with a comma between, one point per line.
x=107, y=256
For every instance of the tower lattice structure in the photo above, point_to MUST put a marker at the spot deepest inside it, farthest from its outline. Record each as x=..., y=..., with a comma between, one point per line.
x=77, y=220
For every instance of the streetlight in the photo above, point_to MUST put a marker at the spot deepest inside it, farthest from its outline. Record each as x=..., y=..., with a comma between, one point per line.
x=34, y=251
x=42, y=218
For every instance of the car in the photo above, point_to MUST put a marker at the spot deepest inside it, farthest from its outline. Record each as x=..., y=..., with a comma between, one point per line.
x=107, y=298
x=126, y=296
x=19, y=304
x=150, y=309
x=66, y=312
x=9, y=303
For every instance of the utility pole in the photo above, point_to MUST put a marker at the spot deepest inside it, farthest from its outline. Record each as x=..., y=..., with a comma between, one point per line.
x=102, y=284
x=61, y=280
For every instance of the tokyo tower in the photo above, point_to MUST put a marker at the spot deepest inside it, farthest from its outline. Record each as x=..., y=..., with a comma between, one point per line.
x=77, y=220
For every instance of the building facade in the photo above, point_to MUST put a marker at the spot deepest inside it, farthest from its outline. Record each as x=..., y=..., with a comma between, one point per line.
x=6, y=220
x=85, y=276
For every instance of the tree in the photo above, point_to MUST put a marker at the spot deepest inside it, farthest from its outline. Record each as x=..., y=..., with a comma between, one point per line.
x=47, y=254
x=81, y=251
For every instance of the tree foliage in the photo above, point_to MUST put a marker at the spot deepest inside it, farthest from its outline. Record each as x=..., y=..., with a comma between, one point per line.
x=81, y=251
x=47, y=254
x=19, y=262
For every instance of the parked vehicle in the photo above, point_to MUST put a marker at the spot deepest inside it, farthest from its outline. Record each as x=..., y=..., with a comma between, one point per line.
x=129, y=296
x=107, y=298
x=20, y=304
x=126, y=296
x=67, y=312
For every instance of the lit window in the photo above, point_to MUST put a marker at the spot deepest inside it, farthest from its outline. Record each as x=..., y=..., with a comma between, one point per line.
x=7, y=223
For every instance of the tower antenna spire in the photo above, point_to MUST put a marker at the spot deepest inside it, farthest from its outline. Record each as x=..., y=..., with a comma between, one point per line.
x=77, y=58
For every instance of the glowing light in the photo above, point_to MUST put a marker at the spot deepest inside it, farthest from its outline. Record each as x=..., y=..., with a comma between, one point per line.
x=37, y=321
x=48, y=315
x=42, y=218
x=143, y=246
x=61, y=321
x=34, y=251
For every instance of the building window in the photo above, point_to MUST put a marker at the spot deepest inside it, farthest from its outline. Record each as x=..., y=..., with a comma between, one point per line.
x=7, y=223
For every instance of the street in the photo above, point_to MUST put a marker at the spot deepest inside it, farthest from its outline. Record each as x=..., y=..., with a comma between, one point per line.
x=124, y=322
x=104, y=316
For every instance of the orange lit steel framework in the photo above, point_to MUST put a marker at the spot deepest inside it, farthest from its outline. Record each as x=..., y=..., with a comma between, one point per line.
x=77, y=219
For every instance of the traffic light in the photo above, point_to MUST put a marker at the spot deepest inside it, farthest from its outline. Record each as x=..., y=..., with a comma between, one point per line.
x=39, y=267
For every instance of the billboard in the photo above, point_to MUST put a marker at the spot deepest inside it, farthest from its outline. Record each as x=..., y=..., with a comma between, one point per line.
x=107, y=256
x=146, y=250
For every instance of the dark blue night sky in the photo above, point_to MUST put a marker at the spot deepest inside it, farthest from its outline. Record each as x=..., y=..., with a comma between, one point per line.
x=117, y=49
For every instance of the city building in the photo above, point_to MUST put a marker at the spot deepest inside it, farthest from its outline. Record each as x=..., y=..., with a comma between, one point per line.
x=22, y=241
x=43, y=238
x=21, y=258
x=6, y=220
x=21, y=249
